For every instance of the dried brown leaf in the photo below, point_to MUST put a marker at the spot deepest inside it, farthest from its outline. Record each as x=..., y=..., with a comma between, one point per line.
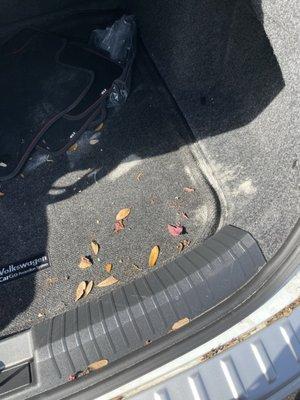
x=85, y=262
x=111, y=280
x=179, y=324
x=95, y=247
x=189, y=189
x=108, y=267
x=182, y=245
x=139, y=176
x=119, y=226
x=98, y=365
x=99, y=127
x=122, y=214
x=154, y=253
x=80, y=290
x=89, y=288
x=73, y=148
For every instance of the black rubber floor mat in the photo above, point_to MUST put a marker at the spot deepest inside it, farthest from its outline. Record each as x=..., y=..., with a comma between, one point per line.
x=38, y=90
x=66, y=131
x=106, y=71
x=68, y=128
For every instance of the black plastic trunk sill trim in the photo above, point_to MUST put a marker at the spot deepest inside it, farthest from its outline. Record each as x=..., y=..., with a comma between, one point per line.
x=272, y=277
x=228, y=312
x=64, y=343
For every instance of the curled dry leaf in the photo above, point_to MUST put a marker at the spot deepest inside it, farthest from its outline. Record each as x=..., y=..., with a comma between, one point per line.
x=175, y=230
x=122, y=214
x=95, y=247
x=108, y=282
x=189, y=189
x=154, y=253
x=2, y=194
x=108, y=267
x=119, y=226
x=179, y=324
x=182, y=245
x=73, y=148
x=80, y=290
x=85, y=262
x=98, y=365
x=99, y=127
x=89, y=288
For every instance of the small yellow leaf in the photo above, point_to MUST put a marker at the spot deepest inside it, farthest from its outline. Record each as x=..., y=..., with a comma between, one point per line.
x=80, y=290
x=85, y=262
x=95, y=247
x=99, y=127
x=122, y=214
x=153, y=256
x=179, y=324
x=98, y=365
x=89, y=288
x=108, y=281
x=2, y=194
x=73, y=148
x=108, y=267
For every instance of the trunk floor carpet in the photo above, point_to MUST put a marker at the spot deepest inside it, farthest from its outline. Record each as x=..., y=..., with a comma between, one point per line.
x=141, y=159
x=239, y=99
x=38, y=89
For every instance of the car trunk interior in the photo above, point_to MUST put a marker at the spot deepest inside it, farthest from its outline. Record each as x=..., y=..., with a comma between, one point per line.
x=206, y=138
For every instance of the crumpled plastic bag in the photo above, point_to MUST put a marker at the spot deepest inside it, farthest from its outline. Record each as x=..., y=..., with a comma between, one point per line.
x=119, y=43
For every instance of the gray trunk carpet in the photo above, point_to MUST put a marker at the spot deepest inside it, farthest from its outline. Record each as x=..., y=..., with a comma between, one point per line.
x=240, y=98
x=141, y=159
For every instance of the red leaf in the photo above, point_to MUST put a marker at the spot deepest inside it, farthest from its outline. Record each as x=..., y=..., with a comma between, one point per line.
x=119, y=226
x=72, y=377
x=175, y=230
